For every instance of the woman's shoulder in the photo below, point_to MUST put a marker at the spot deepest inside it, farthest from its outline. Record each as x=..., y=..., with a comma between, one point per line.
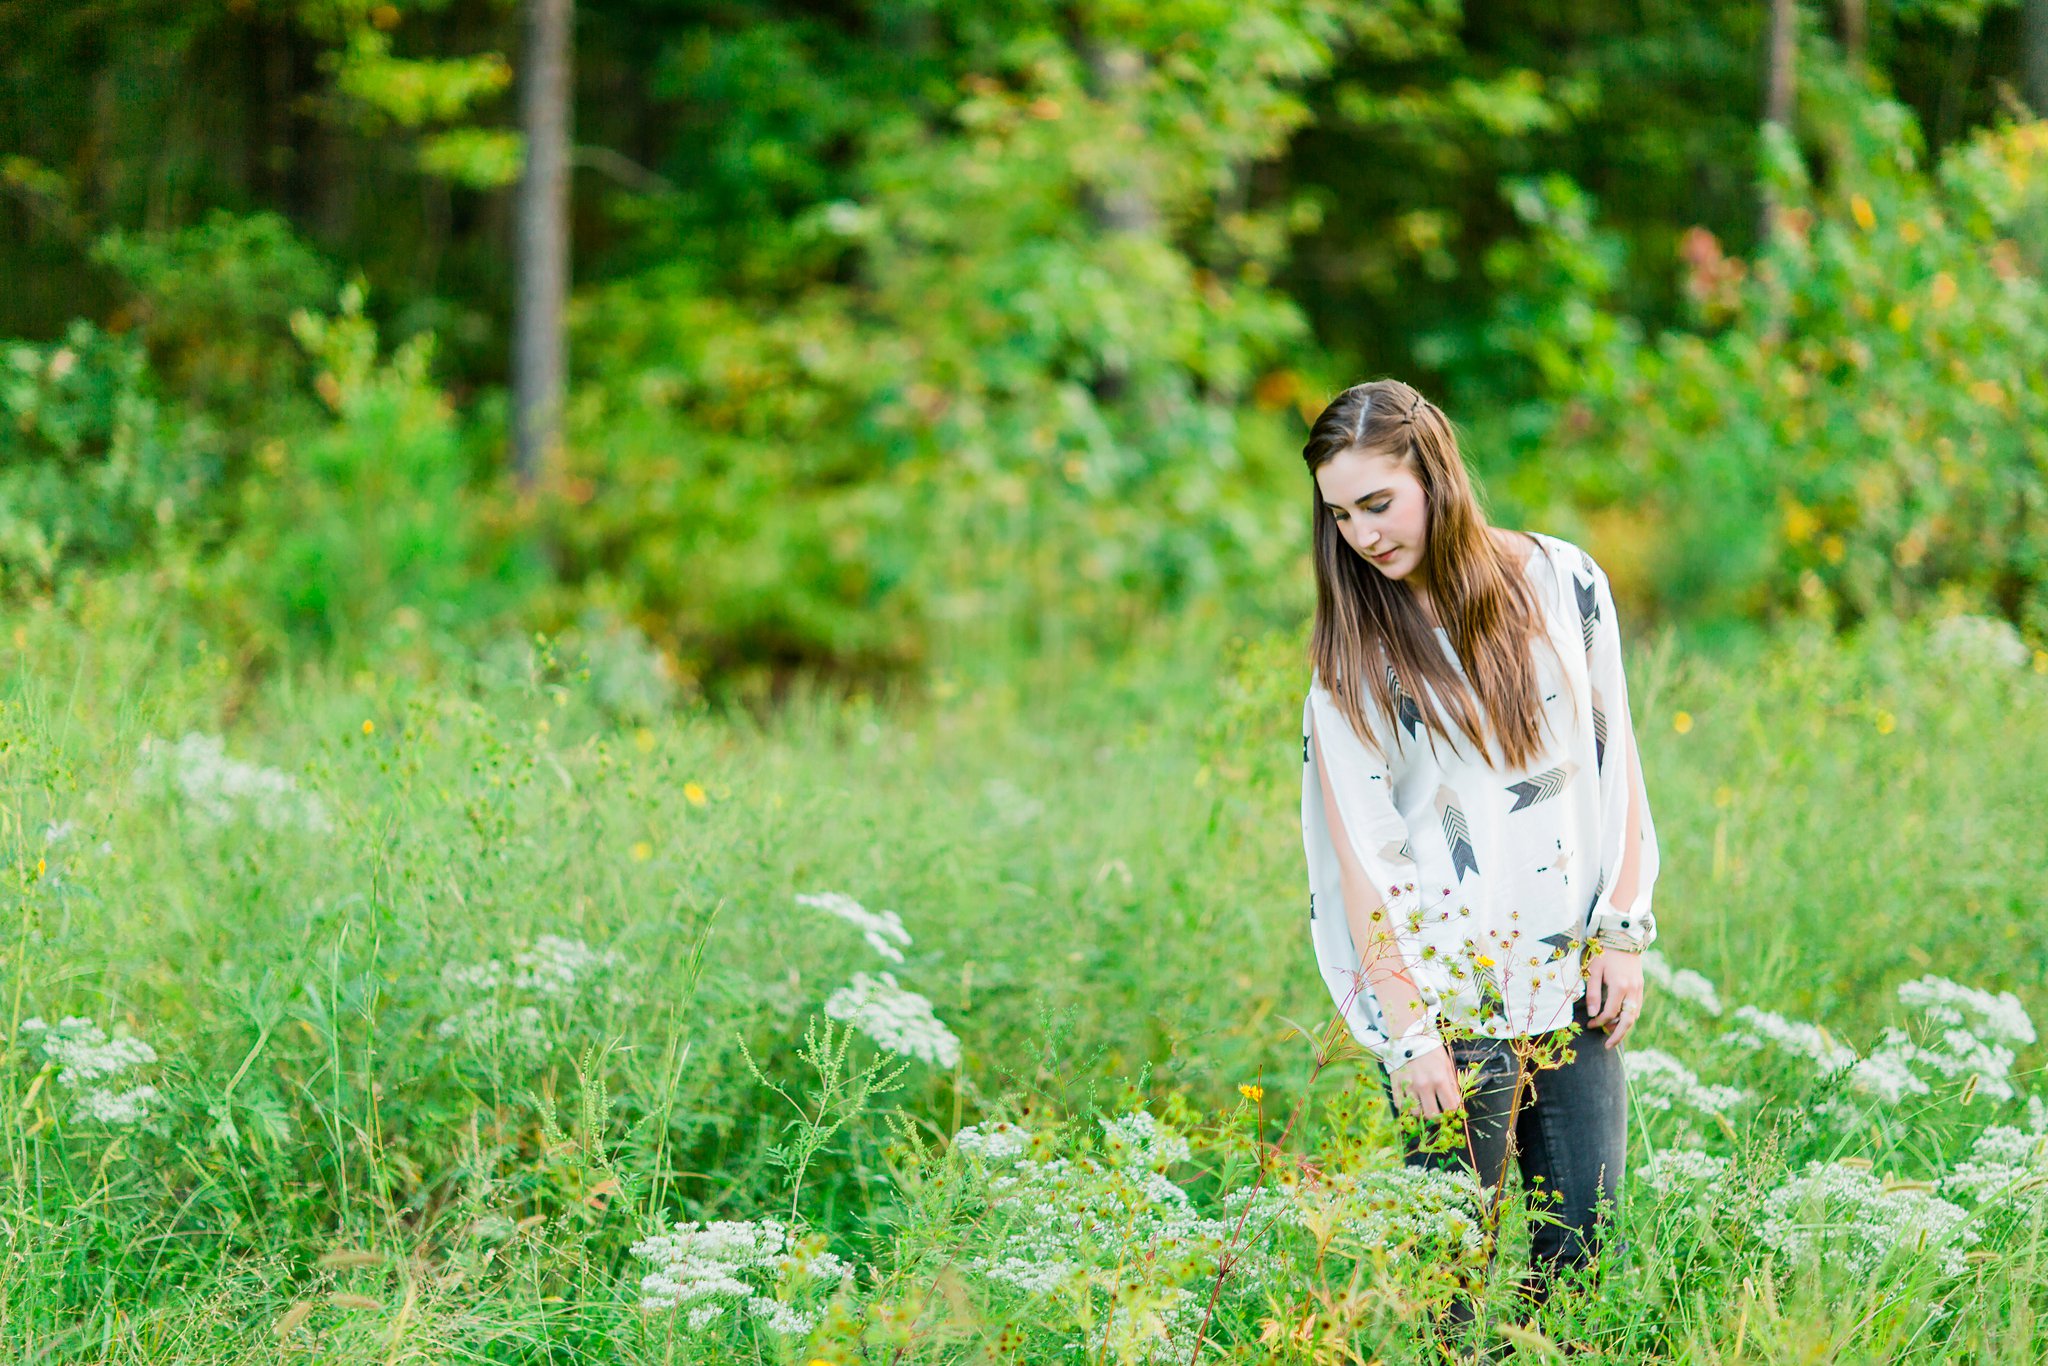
x=1568, y=554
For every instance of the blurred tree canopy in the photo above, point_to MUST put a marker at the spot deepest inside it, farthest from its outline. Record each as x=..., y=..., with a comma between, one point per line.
x=901, y=328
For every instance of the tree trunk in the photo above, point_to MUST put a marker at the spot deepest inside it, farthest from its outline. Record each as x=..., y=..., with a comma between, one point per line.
x=1778, y=92
x=1855, y=26
x=541, y=267
x=2034, y=54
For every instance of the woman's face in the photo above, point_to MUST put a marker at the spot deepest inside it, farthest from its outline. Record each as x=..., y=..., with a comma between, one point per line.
x=1380, y=510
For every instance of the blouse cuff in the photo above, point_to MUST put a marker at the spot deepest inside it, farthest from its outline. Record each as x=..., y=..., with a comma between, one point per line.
x=1636, y=928
x=1421, y=1037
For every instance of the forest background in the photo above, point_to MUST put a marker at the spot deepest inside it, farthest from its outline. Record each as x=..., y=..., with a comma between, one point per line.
x=907, y=333
x=916, y=581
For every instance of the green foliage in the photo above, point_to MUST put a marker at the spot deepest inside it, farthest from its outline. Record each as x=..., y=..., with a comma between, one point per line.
x=213, y=304
x=94, y=468
x=394, y=1115
x=1030, y=407
x=1852, y=424
x=366, y=520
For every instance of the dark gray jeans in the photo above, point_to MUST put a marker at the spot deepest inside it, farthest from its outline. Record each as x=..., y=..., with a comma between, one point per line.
x=1571, y=1136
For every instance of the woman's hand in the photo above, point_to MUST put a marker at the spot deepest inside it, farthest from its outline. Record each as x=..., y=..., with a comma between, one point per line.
x=1614, y=992
x=1428, y=1084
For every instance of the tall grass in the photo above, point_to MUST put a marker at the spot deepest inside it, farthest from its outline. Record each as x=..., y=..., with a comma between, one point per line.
x=534, y=984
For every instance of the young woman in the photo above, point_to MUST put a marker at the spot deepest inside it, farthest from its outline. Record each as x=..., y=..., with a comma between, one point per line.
x=1480, y=850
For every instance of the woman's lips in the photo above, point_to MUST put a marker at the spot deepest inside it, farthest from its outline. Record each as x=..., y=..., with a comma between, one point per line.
x=1383, y=558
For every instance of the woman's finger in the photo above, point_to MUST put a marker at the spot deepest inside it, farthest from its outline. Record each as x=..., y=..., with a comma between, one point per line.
x=1630, y=1009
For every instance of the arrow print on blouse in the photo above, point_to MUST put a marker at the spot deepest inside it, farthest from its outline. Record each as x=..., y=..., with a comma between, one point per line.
x=1457, y=834
x=1599, y=731
x=1589, y=611
x=1541, y=787
x=1404, y=705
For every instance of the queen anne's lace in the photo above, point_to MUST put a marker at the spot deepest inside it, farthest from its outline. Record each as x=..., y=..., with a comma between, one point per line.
x=1850, y=1212
x=86, y=1059
x=1660, y=1081
x=882, y=929
x=706, y=1268
x=219, y=789
x=895, y=1017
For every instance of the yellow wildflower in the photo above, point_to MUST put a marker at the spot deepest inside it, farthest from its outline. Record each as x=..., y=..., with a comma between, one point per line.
x=642, y=851
x=693, y=794
x=1860, y=210
x=1886, y=723
x=1482, y=960
x=369, y=726
x=1252, y=1093
x=1682, y=722
x=643, y=740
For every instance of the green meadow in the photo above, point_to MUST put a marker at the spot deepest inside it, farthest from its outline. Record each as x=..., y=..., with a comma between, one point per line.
x=651, y=658
x=409, y=1008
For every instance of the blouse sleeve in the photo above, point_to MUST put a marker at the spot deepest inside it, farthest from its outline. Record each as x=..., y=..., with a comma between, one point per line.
x=1620, y=774
x=1377, y=835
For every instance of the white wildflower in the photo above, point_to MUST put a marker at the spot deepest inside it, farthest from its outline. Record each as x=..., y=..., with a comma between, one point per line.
x=1681, y=983
x=554, y=966
x=1755, y=1028
x=56, y=832
x=84, y=1052
x=708, y=1267
x=1973, y=639
x=1033, y=1275
x=553, y=969
x=814, y=1263
x=218, y=789
x=782, y=1318
x=1850, y=1212
x=488, y=975
x=999, y=1141
x=84, y=1055
x=1110, y=1228
x=1659, y=1080
x=1670, y=1170
x=1960, y=1052
x=2002, y=1161
x=879, y=928
x=486, y=1026
x=702, y=1261
x=898, y=1019
x=119, y=1107
x=2000, y=1018
x=1137, y=1140
x=1886, y=1074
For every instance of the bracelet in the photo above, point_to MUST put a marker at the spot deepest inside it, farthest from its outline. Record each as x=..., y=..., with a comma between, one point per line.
x=1615, y=939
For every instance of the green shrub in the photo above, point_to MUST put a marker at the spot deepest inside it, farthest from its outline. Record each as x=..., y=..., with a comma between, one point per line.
x=94, y=467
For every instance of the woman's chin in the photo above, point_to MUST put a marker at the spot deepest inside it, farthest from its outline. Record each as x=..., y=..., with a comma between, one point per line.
x=1395, y=568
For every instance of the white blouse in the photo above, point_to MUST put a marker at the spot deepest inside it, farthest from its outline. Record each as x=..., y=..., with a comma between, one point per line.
x=1492, y=880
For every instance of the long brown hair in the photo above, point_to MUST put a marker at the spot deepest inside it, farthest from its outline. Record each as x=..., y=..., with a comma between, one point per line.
x=1371, y=627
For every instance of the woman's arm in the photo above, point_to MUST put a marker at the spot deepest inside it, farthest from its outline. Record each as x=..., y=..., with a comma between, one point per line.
x=1628, y=832
x=1383, y=967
